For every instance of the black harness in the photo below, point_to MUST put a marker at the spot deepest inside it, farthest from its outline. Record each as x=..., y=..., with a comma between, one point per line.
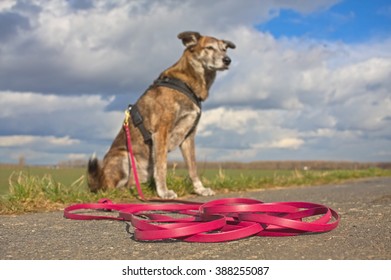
x=172, y=83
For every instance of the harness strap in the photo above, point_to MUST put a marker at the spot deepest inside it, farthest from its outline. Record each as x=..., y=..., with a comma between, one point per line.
x=138, y=122
x=178, y=85
x=172, y=83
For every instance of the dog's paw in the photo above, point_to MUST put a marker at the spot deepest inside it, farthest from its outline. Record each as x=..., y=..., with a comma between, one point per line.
x=169, y=194
x=204, y=192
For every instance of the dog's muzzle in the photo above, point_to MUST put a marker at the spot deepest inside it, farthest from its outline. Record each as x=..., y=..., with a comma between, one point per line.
x=226, y=61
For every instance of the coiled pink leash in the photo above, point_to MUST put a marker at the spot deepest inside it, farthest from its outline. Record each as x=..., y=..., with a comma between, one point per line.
x=215, y=221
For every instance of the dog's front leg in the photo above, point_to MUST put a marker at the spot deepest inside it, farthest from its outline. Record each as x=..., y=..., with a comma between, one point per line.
x=160, y=150
x=188, y=152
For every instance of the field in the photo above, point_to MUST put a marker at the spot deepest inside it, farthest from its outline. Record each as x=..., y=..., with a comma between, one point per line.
x=69, y=175
x=32, y=189
x=65, y=176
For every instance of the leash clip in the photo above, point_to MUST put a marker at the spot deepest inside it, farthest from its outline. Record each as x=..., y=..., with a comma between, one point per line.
x=127, y=116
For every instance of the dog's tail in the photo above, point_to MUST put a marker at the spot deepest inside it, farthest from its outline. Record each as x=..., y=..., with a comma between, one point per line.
x=93, y=170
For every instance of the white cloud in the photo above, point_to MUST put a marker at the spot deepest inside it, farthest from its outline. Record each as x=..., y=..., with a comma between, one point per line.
x=72, y=156
x=19, y=103
x=45, y=128
x=7, y=4
x=247, y=129
x=116, y=46
x=285, y=143
x=295, y=74
x=58, y=115
x=226, y=119
x=28, y=140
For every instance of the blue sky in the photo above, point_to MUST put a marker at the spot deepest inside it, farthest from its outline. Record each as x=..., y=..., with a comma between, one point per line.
x=349, y=21
x=310, y=80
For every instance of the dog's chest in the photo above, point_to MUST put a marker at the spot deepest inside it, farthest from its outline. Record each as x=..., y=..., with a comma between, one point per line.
x=185, y=123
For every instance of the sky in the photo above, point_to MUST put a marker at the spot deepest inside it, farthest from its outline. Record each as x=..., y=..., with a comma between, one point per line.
x=309, y=80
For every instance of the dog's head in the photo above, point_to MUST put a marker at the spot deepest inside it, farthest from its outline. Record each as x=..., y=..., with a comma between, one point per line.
x=209, y=51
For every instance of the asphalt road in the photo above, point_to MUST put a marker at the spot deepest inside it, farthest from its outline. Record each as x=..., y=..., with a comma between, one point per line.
x=364, y=232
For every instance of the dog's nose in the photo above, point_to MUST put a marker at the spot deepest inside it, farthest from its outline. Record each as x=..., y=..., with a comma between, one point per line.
x=227, y=60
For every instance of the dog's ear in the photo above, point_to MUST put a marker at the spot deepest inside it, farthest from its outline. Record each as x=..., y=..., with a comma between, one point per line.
x=229, y=44
x=189, y=38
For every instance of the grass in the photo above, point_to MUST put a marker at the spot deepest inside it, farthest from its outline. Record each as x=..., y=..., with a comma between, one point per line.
x=64, y=175
x=41, y=189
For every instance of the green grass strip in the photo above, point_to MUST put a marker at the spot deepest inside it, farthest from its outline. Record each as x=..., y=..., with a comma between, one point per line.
x=36, y=193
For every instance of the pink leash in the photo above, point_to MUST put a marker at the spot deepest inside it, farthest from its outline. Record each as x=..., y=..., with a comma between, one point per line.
x=218, y=220
x=131, y=155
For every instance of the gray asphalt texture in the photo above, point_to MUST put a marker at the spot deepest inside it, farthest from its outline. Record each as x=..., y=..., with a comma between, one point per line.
x=364, y=232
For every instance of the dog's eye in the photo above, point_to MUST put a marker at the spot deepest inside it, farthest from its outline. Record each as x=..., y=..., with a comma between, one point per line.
x=210, y=48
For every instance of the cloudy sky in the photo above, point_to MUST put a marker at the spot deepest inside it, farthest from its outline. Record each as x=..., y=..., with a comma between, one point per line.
x=310, y=80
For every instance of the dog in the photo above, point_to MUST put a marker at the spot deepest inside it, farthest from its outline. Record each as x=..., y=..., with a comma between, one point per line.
x=168, y=117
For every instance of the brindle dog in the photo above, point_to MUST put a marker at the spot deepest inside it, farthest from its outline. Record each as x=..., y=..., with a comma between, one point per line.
x=171, y=119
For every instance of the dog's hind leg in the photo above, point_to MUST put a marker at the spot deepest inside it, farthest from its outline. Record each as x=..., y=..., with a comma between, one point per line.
x=188, y=152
